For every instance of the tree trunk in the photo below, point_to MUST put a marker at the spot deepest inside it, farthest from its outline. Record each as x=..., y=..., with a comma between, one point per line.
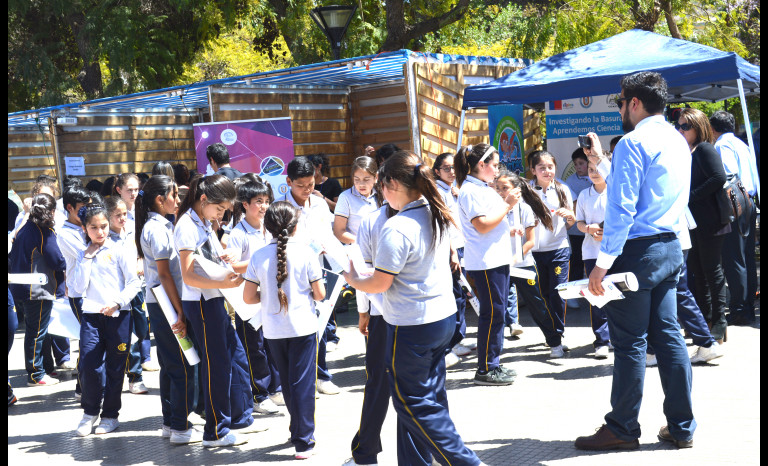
x=90, y=74
x=645, y=20
x=399, y=34
x=666, y=5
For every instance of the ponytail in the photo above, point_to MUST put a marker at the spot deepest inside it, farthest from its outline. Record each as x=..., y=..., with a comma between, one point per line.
x=540, y=211
x=282, y=268
x=467, y=159
x=217, y=189
x=281, y=220
x=157, y=185
x=534, y=160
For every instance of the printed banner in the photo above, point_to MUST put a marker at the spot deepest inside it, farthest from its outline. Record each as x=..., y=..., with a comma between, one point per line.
x=263, y=147
x=505, y=123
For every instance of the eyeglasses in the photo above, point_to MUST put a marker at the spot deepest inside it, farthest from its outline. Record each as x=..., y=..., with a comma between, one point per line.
x=620, y=101
x=684, y=126
x=447, y=169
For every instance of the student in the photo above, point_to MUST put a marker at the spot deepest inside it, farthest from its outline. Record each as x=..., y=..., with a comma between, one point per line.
x=127, y=187
x=577, y=182
x=35, y=250
x=45, y=185
x=412, y=271
x=218, y=160
x=228, y=397
x=357, y=202
x=314, y=227
x=106, y=278
x=552, y=252
x=248, y=236
x=286, y=278
x=445, y=179
x=326, y=188
x=504, y=186
x=487, y=254
x=155, y=245
x=163, y=168
x=590, y=214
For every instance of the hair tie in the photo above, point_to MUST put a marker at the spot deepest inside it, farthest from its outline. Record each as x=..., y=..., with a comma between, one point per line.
x=416, y=170
x=284, y=232
x=141, y=193
x=488, y=152
x=81, y=213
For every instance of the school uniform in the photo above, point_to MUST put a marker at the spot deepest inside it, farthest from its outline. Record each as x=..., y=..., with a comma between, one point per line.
x=577, y=184
x=262, y=371
x=590, y=208
x=178, y=380
x=552, y=252
x=35, y=250
x=226, y=388
x=487, y=257
x=291, y=333
x=366, y=444
x=419, y=311
x=457, y=242
x=108, y=278
x=354, y=207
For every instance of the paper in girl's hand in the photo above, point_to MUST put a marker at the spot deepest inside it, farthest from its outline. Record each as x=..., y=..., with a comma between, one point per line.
x=356, y=256
x=92, y=307
x=337, y=256
x=611, y=292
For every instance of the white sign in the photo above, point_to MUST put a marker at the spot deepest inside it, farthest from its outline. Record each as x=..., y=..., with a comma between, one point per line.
x=74, y=166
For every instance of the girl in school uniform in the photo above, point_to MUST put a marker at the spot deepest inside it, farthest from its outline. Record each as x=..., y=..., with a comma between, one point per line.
x=285, y=277
x=552, y=251
x=412, y=271
x=357, y=202
x=246, y=237
x=487, y=254
x=155, y=245
x=105, y=275
x=226, y=388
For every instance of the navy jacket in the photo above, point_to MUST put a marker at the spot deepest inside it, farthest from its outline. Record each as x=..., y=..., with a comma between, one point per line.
x=35, y=250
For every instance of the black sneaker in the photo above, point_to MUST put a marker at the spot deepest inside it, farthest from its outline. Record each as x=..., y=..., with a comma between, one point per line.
x=508, y=370
x=493, y=377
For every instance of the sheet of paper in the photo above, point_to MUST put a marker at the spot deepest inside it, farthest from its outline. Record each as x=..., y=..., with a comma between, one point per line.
x=74, y=166
x=611, y=293
x=326, y=307
x=93, y=307
x=624, y=281
x=336, y=254
x=172, y=317
x=27, y=279
x=63, y=322
x=522, y=273
x=356, y=256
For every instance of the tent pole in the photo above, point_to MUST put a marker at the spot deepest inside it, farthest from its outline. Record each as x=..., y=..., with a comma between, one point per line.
x=461, y=130
x=749, y=134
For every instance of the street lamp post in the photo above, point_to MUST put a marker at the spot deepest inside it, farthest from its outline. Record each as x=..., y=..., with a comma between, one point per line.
x=333, y=21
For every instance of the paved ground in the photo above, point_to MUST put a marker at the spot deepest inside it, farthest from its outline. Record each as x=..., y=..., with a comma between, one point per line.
x=533, y=421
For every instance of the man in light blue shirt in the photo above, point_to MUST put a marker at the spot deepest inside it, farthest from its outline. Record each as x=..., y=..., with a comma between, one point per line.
x=648, y=189
x=738, y=254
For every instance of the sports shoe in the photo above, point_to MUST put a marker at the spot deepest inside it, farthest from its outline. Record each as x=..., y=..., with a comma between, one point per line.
x=228, y=440
x=86, y=425
x=137, y=388
x=78, y=396
x=67, y=365
x=302, y=455
x=331, y=346
x=515, y=330
x=277, y=398
x=508, y=370
x=184, y=437
x=266, y=407
x=326, y=387
x=44, y=382
x=106, y=425
x=557, y=352
x=12, y=399
x=351, y=462
x=493, y=377
x=451, y=359
x=251, y=429
x=601, y=352
x=150, y=366
x=665, y=436
x=650, y=360
x=165, y=432
x=471, y=345
x=707, y=354
x=461, y=350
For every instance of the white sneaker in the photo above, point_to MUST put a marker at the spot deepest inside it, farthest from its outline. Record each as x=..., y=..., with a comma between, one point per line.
x=451, y=359
x=327, y=387
x=557, y=352
x=610, y=346
x=650, y=360
x=277, y=398
x=137, y=388
x=78, y=396
x=266, y=407
x=86, y=425
x=184, y=437
x=351, y=462
x=707, y=354
x=302, y=455
x=331, y=346
x=461, y=350
x=515, y=330
x=106, y=425
x=228, y=440
x=601, y=352
x=471, y=345
x=251, y=429
x=67, y=365
x=46, y=381
x=150, y=366
x=165, y=431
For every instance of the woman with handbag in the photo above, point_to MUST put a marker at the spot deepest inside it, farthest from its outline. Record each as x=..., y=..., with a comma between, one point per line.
x=707, y=179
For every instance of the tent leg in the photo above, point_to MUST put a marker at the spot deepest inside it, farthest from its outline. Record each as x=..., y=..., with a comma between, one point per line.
x=461, y=130
x=749, y=134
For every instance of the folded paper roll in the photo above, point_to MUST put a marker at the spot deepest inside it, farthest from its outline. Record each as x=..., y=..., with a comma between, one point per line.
x=170, y=314
x=27, y=279
x=625, y=281
x=473, y=301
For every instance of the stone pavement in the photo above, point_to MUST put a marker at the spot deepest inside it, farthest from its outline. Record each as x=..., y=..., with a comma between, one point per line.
x=534, y=421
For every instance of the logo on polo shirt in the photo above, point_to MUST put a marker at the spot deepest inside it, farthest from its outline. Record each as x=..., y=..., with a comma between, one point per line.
x=558, y=270
x=532, y=282
x=121, y=347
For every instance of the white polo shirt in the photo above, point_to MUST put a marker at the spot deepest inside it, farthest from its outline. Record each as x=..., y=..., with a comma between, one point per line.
x=315, y=221
x=368, y=240
x=590, y=208
x=483, y=251
x=521, y=216
x=422, y=289
x=109, y=277
x=157, y=243
x=457, y=237
x=247, y=239
x=354, y=207
x=303, y=269
x=71, y=241
x=547, y=240
x=190, y=234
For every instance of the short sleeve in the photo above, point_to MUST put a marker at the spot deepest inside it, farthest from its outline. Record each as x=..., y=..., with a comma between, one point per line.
x=343, y=208
x=474, y=204
x=392, y=251
x=250, y=272
x=314, y=272
x=237, y=240
x=185, y=234
x=581, y=215
x=159, y=245
x=526, y=213
x=364, y=239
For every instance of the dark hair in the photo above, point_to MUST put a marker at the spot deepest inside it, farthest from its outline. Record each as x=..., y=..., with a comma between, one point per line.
x=121, y=180
x=699, y=123
x=42, y=209
x=76, y=195
x=181, y=174
x=248, y=177
x=615, y=141
x=385, y=152
x=245, y=193
x=94, y=185
x=648, y=87
x=217, y=189
x=143, y=178
x=87, y=212
x=108, y=186
x=280, y=221
x=370, y=166
x=300, y=167
x=70, y=181
x=111, y=203
x=439, y=161
x=579, y=154
x=541, y=211
x=218, y=153
x=723, y=122
x=407, y=168
x=163, y=168
x=97, y=198
x=158, y=185
x=467, y=159
x=321, y=160
x=45, y=181
x=534, y=160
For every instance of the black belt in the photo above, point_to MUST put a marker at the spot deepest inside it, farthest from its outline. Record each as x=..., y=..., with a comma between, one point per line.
x=654, y=237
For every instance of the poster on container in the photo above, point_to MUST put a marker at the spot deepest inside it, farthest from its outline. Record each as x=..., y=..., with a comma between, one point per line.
x=263, y=147
x=569, y=118
x=505, y=124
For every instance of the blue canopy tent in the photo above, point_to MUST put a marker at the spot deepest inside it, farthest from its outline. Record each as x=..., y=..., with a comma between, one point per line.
x=694, y=72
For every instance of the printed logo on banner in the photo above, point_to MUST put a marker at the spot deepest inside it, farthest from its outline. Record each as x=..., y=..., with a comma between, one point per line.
x=504, y=124
x=585, y=102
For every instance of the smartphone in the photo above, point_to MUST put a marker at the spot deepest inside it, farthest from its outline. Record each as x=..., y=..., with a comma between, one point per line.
x=585, y=142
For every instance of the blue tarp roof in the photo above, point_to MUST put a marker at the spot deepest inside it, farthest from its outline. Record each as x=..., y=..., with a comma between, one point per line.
x=693, y=72
x=358, y=71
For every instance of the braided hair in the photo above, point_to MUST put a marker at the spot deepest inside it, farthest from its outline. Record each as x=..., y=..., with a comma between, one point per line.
x=280, y=221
